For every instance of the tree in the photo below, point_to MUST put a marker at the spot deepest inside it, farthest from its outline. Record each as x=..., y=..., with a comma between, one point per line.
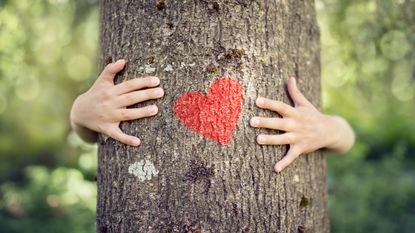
x=184, y=177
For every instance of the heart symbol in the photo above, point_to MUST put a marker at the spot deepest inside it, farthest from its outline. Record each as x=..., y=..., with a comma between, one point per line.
x=214, y=115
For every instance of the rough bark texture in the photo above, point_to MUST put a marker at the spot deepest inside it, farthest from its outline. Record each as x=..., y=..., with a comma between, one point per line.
x=179, y=181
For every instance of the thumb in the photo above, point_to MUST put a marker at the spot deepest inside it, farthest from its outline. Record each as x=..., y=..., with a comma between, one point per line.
x=116, y=133
x=295, y=94
x=291, y=155
x=111, y=70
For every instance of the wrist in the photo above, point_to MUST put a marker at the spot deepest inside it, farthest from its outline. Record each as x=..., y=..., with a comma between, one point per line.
x=333, y=133
x=342, y=135
x=83, y=131
x=73, y=114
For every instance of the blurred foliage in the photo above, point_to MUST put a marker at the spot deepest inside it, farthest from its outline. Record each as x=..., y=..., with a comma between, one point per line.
x=48, y=51
x=368, y=71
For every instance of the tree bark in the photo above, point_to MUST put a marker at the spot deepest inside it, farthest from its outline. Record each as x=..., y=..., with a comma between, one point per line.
x=179, y=180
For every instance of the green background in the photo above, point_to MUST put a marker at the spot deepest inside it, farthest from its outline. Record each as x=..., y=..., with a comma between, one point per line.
x=48, y=55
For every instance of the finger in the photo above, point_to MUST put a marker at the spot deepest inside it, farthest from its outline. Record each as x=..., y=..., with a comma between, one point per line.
x=291, y=155
x=136, y=84
x=111, y=70
x=272, y=123
x=136, y=113
x=118, y=135
x=277, y=106
x=296, y=94
x=139, y=96
x=279, y=139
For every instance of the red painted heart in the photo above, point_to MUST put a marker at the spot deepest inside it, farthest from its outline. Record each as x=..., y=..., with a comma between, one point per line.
x=214, y=115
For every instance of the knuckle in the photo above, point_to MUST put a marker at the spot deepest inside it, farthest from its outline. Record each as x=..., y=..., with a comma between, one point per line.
x=290, y=138
x=105, y=94
x=129, y=84
x=291, y=125
x=129, y=97
x=124, y=114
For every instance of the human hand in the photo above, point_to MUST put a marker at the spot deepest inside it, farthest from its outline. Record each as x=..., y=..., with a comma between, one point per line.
x=103, y=106
x=306, y=129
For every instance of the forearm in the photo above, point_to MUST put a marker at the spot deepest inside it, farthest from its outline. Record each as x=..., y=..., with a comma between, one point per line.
x=342, y=135
x=84, y=133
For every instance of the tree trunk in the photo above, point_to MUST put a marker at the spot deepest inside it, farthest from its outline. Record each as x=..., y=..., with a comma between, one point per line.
x=181, y=180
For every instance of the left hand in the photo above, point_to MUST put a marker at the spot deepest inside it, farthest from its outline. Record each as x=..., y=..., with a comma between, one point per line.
x=306, y=129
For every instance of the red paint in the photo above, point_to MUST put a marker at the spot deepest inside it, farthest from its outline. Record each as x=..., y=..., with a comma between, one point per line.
x=214, y=115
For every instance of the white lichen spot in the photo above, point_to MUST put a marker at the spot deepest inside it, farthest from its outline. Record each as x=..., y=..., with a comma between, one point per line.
x=296, y=178
x=143, y=170
x=168, y=68
x=148, y=69
x=167, y=32
x=184, y=65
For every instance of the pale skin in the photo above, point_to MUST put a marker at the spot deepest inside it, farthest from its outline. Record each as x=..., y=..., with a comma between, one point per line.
x=103, y=107
x=305, y=128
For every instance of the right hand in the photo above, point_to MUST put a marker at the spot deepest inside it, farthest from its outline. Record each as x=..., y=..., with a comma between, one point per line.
x=103, y=106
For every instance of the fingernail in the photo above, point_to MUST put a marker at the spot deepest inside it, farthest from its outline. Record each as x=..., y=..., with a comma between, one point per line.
x=152, y=109
x=137, y=142
x=260, y=101
x=120, y=60
x=294, y=80
x=260, y=139
x=155, y=80
x=254, y=121
x=277, y=169
x=159, y=92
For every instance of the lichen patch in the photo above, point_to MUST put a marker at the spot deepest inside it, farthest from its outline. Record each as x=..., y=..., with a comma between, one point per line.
x=296, y=178
x=168, y=68
x=148, y=69
x=143, y=170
